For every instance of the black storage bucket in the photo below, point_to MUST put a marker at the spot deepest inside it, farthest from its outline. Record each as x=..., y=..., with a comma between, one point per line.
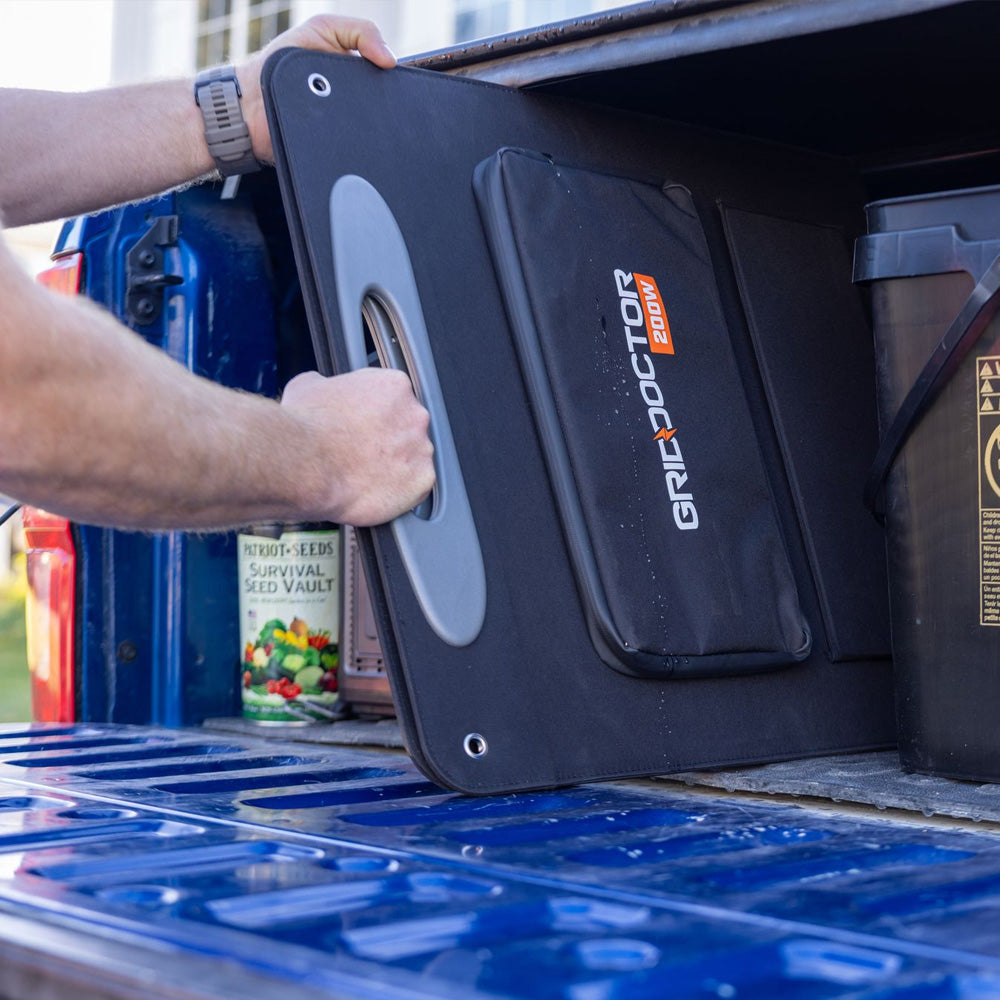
x=934, y=270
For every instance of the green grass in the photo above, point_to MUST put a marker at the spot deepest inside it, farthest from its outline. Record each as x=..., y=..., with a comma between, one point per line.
x=15, y=693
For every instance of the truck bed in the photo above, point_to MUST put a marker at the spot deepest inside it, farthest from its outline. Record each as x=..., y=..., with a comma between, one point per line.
x=225, y=861
x=198, y=863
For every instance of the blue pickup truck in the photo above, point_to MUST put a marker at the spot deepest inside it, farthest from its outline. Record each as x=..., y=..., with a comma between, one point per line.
x=160, y=846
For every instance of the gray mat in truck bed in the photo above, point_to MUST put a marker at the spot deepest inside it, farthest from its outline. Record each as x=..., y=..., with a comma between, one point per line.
x=867, y=778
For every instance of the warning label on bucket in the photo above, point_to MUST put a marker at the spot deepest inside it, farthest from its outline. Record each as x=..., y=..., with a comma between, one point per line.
x=988, y=406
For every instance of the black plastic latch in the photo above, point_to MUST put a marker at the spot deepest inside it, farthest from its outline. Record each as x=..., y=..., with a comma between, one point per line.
x=145, y=274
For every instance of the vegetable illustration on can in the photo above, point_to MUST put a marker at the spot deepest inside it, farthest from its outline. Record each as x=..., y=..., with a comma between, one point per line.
x=289, y=613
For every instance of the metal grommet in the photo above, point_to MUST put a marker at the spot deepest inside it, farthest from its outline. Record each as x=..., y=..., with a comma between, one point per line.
x=319, y=85
x=475, y=745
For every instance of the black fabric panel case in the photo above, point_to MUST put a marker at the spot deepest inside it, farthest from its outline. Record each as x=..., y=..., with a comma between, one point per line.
x=819, y=378
x=669, y=520
x=505, y=689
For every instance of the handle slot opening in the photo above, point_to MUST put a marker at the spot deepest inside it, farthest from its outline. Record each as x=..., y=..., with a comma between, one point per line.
x=385, y=346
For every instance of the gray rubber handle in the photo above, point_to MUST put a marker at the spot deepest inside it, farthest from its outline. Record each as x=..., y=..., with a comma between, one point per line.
x=439, y=546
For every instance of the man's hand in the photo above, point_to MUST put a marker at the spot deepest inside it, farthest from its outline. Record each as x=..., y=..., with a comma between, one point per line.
x=352, y=449
x=366, y=443
x=99, y=148
x=326, y=33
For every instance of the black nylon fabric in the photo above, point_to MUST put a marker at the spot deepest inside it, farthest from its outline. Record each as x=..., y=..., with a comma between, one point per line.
x=814, y=349
x=647, y=434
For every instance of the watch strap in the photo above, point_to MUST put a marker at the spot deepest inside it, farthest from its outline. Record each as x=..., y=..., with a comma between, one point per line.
x=217, y=93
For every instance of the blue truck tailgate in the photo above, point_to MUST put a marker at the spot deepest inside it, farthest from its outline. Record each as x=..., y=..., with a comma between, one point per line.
x=140, y=861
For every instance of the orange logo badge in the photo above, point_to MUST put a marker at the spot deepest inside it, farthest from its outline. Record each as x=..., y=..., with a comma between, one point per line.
x=657, y=325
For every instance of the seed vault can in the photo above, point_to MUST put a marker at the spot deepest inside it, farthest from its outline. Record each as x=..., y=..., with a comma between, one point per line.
x=289, y=578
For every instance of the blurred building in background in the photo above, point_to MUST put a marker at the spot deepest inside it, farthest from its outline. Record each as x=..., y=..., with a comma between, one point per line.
x=157, y=38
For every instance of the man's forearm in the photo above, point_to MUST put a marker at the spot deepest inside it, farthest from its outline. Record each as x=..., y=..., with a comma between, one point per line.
x=100, y=426
x=65, y=154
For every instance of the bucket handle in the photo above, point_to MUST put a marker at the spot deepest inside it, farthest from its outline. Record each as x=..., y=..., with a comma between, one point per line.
x=974, y=316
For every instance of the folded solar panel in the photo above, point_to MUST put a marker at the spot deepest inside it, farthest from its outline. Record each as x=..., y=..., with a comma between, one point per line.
x=630, y=564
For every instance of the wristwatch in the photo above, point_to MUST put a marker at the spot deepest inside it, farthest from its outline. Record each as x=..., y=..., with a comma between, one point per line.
x=217, y=92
